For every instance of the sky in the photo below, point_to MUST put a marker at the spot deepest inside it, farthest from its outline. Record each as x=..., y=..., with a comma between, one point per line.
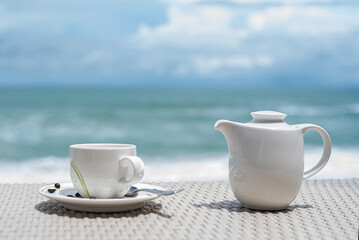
x=180, y=42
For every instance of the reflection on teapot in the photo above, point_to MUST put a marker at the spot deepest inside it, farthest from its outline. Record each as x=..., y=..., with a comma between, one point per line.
x=266, y=159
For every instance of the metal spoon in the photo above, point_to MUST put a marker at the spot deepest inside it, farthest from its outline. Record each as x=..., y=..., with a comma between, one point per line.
x=133, y=191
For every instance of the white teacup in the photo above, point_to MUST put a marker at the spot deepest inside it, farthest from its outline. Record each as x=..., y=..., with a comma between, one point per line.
x=104, y=170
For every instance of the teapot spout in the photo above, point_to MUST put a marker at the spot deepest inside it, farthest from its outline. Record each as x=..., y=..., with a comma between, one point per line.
x=222, y=125
x=225, y=127
x=231, y=132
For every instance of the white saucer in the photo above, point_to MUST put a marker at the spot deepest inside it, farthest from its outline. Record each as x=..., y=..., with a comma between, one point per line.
x=98, y=205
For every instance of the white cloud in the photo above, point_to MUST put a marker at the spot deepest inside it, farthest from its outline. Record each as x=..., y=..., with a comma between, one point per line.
x=100, y=60
x=198, y=38
x=197, y=26
x=97, y=57
x=301, y=20
x=208, y=65
x=202, y=39
x=197, y=33
x=264, y=61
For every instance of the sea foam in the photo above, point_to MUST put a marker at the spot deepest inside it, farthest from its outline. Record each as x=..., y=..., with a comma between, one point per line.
x=344, y=163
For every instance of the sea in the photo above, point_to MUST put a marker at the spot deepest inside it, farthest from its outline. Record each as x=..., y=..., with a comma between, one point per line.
x=173, y=128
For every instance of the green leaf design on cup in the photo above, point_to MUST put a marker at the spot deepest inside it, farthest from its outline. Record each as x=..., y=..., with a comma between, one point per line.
x=79, y=176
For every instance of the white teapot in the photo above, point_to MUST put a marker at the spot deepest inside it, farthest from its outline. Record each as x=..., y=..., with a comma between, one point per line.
x=266, y=159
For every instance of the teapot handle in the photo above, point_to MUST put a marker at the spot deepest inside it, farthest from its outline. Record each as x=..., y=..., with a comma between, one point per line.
x=326, y=152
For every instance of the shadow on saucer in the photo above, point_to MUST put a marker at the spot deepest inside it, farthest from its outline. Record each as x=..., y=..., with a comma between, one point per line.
x=235, y=206
x=52, y=207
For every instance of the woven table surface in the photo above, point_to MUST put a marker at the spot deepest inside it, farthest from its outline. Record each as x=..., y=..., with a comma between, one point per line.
x=324, y=209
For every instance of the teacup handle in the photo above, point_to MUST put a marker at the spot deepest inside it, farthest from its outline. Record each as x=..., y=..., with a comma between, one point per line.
x=137, y=166
x=326, y=152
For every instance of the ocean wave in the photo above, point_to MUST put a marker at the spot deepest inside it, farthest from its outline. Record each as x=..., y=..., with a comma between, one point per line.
x=354, y=108
x=31, y=130
x=42, y=170
x=319, y=110
x=344, y=163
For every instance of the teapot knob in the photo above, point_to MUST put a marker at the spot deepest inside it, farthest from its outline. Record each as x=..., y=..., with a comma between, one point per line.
x=268, y=116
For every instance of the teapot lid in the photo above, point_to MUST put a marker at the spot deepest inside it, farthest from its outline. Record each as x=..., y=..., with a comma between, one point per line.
x=269, y=119
x=268, y=116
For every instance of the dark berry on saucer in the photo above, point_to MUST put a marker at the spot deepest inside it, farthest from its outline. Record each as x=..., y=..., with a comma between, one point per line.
x=57, y=185
x=78, y=195
x=51, y=190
